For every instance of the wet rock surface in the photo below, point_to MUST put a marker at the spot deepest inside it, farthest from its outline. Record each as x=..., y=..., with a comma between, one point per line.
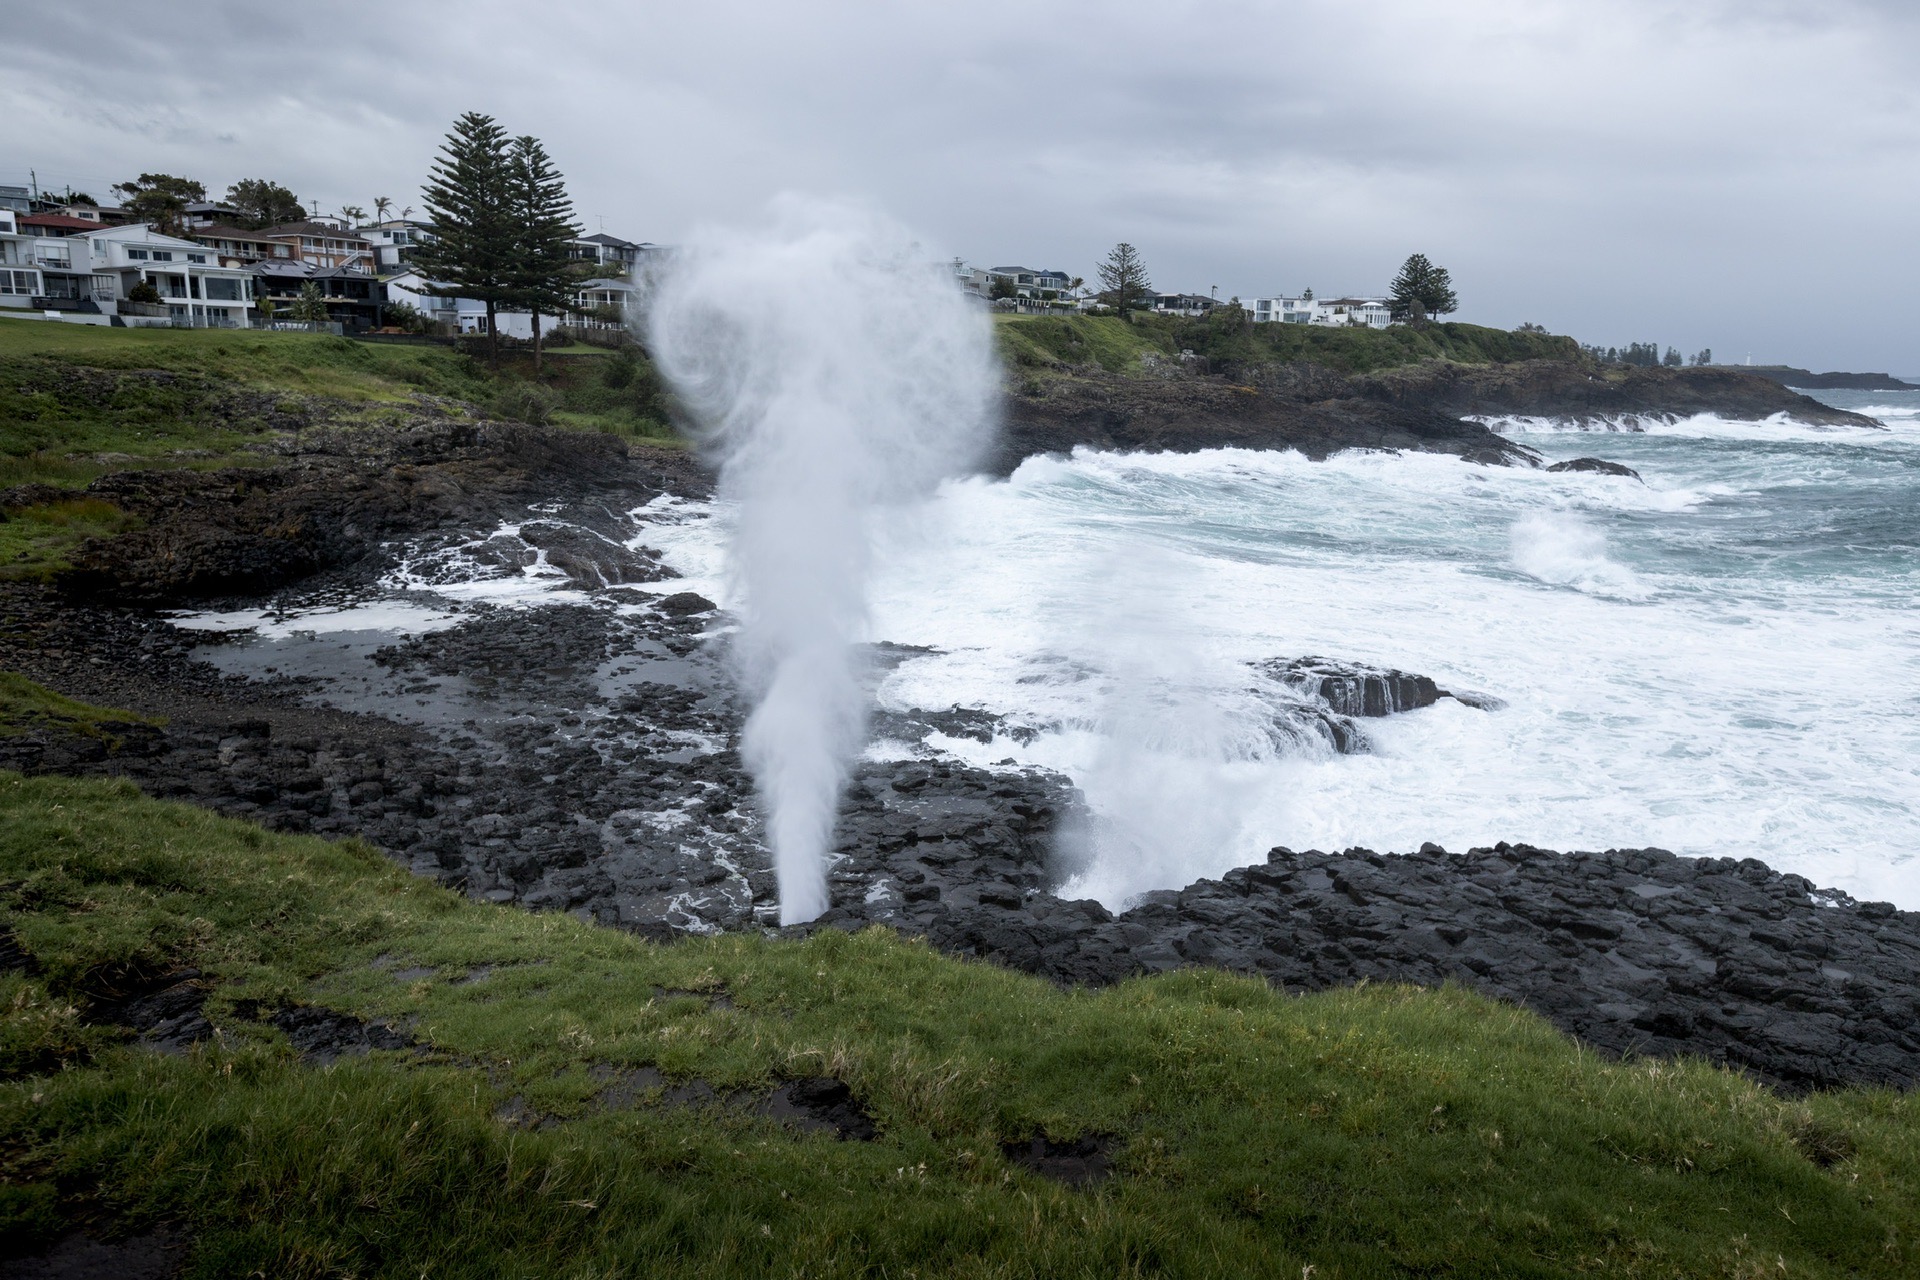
x=1597, y=466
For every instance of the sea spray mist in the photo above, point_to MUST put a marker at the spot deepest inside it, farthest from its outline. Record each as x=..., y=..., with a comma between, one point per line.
x=834, y=373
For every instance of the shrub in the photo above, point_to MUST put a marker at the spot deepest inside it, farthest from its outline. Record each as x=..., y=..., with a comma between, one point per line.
x=527, y=402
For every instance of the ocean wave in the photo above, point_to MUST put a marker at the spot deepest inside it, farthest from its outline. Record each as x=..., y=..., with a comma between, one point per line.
x=1696, y=426
x=1560, y=549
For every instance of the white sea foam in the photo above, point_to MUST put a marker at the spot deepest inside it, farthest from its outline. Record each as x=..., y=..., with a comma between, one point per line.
x=398, y=617
x=1700, y=425
x=1669, y=681
x=1561, y=549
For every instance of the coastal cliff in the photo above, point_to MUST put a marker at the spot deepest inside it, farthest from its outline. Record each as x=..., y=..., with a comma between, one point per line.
x=1191, y=384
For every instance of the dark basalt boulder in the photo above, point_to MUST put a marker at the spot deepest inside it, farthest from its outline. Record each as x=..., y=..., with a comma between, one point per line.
x=1355, y=689
x=590, y=559
x=1337, y=694
x=1599, y=466
x=684, y=604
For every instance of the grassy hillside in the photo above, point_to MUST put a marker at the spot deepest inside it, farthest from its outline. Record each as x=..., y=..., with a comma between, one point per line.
x=1231, y=343
x=1372, y=1132
x=79, y=401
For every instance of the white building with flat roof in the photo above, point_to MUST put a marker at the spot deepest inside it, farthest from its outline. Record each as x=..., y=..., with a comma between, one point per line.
x=1339, y=313
x=20, y=280
x=187, y=275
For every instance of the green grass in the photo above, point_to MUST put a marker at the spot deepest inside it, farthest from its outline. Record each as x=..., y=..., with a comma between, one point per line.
x=78, y=402
x=1370, y=1132
x=26, y=706
x=36, y=540
x=1062, y=343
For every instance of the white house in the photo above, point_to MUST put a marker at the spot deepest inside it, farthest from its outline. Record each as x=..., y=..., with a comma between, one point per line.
x=592, y=295
x=1338, y=313
x=394, y=241
x=88, y=274
x=20, y=280
x=619, y=257
x=1356, y=313
x=188, y=275
x=462, y=315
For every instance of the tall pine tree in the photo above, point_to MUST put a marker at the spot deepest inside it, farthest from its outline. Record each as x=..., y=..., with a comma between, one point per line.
x=1123, y=280
x=1421, y=290
x=469, y=204
x=540, y=272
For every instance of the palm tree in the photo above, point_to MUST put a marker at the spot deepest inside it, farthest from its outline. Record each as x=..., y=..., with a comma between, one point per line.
x=380, y=206
x=353, y=213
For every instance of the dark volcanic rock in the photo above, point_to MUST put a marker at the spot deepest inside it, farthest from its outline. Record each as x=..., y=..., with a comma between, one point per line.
x=1808, y=380
x=1420, y=407
x=1079, y=1162
x=164, y=1012
x=1184, y=414
x=821, y=1104
x=1335, y=694
x=1595, y=394
x=684, y=603
x=1355, y=689
x=322, y=1035
x=1597, y=465
x=1631, y=950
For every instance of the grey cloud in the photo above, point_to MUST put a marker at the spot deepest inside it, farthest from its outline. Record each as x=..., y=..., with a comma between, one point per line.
x=1636, y=170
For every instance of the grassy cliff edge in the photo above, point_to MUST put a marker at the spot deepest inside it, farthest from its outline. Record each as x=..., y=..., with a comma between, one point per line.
x=1367, y=1132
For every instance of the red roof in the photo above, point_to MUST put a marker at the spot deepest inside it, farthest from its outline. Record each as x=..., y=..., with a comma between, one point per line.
x=60, y=220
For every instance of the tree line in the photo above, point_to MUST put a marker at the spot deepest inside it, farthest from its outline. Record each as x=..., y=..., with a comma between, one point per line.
x=257, y=203
x=1646, y=355
x=1420, y=291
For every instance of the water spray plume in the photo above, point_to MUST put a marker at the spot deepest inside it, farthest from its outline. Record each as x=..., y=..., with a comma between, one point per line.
x=834, y=374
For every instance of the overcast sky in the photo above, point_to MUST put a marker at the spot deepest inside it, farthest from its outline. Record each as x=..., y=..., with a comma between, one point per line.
x=1740, y=174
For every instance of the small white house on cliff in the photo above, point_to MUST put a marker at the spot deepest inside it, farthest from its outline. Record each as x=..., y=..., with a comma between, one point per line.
x=1339, y=313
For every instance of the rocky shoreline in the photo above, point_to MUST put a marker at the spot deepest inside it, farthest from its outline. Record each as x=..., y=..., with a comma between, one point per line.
x=1433, y=407
x=583, y=757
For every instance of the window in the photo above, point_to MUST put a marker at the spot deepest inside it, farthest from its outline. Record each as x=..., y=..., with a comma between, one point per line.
x=200, y=258
x=163, y=255
x=139, y=255
x=220, y=290
x=23, y=283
